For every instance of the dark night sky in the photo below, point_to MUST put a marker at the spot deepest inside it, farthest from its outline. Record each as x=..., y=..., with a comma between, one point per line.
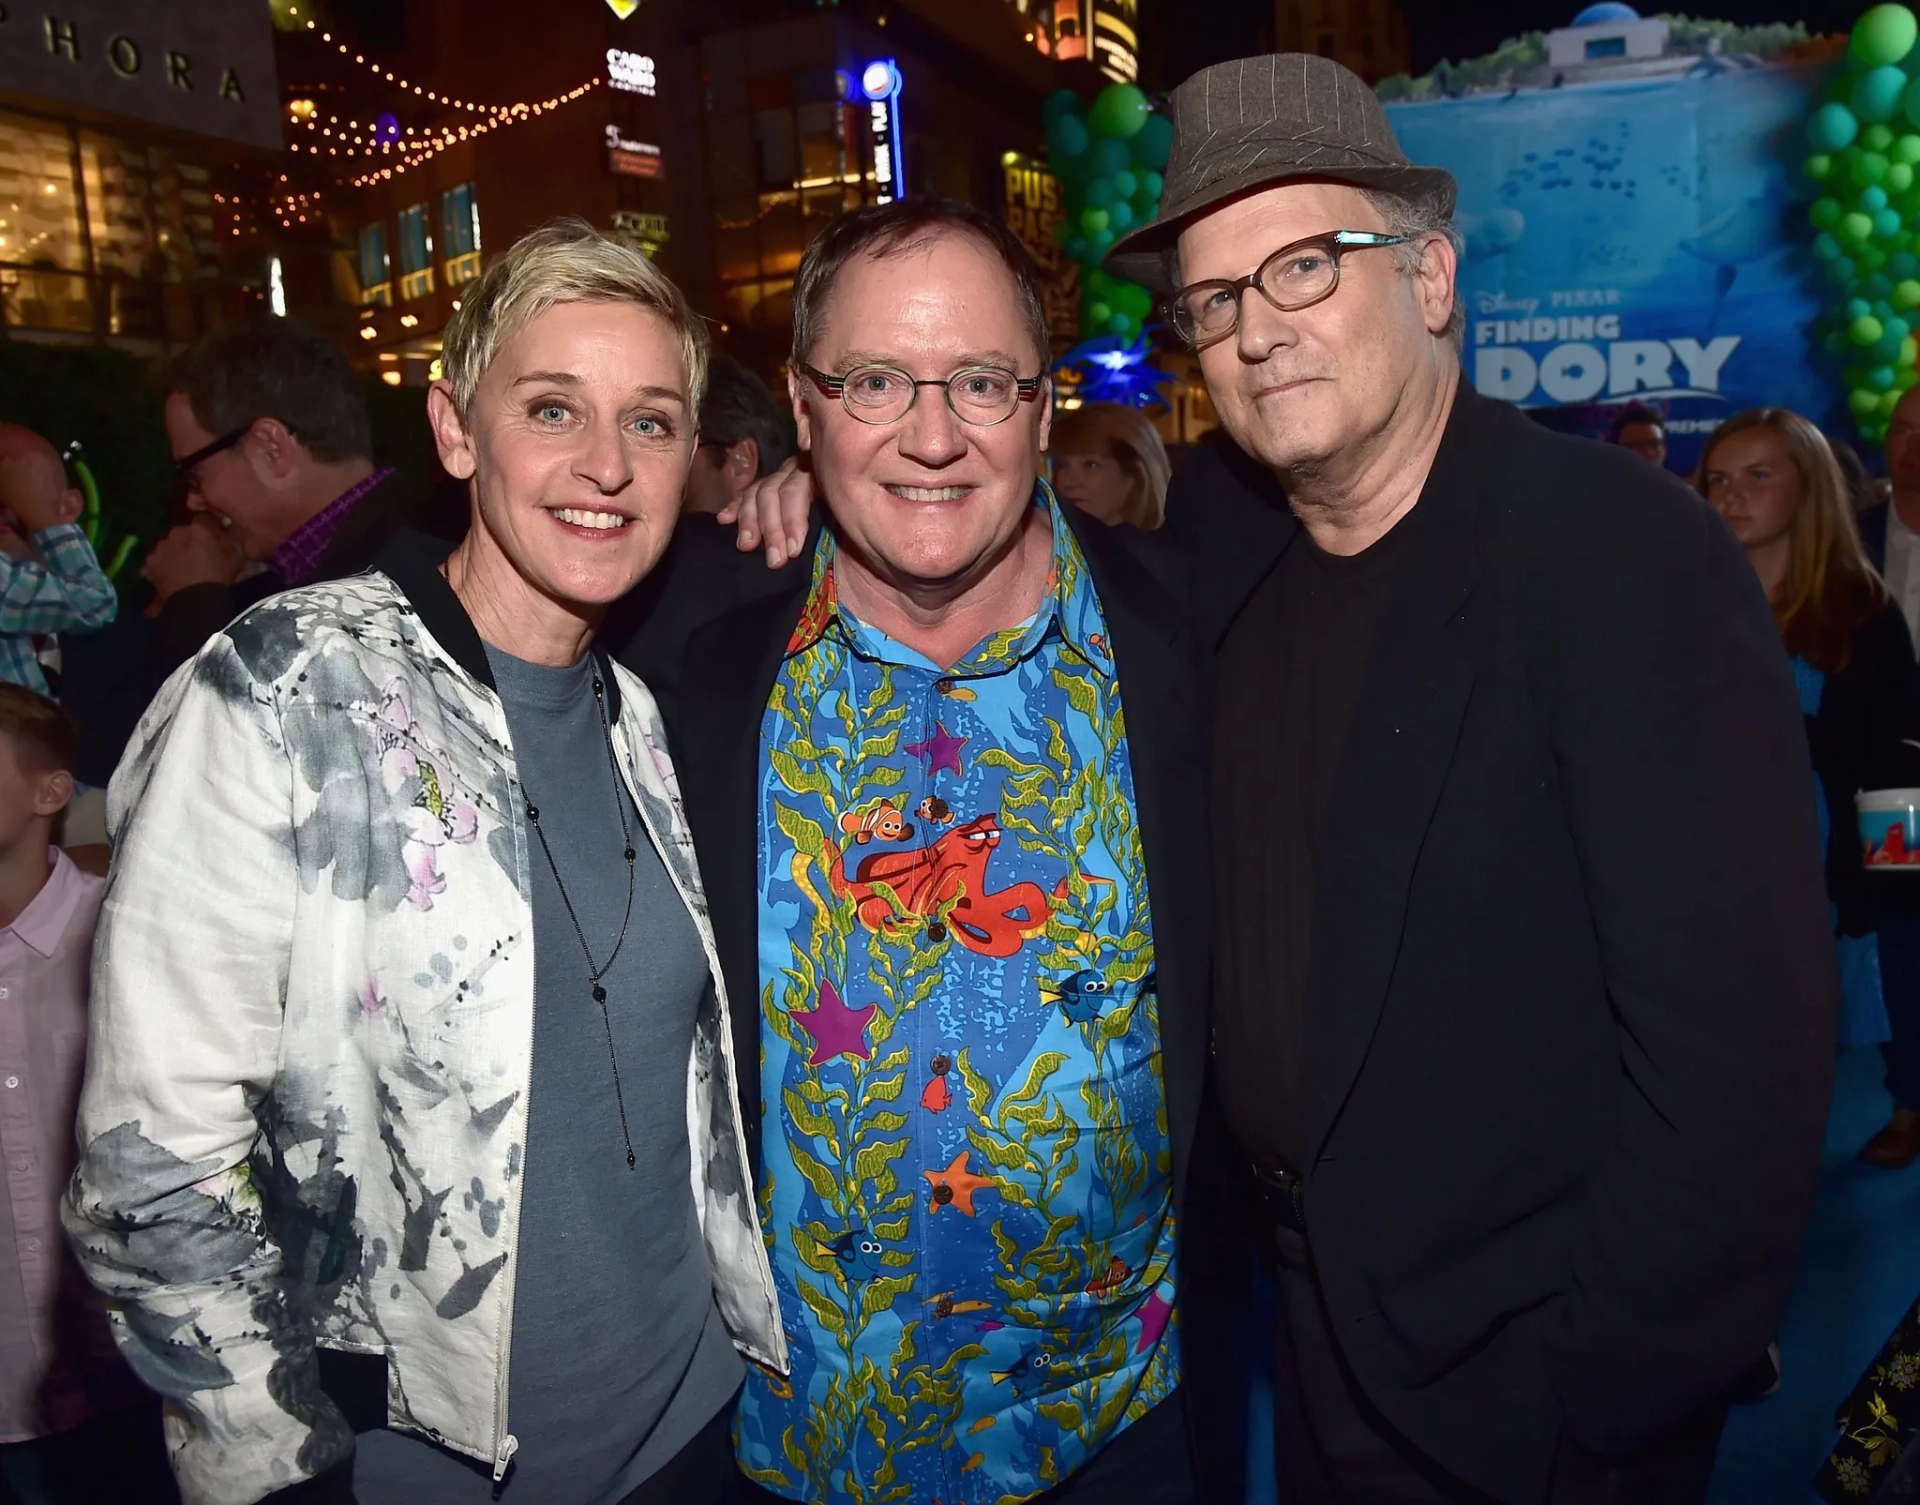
x=1199, y=32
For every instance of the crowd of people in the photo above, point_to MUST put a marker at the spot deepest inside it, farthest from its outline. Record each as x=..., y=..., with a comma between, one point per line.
x=811, y=950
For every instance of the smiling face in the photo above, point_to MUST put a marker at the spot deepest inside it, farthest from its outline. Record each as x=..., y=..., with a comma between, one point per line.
x=927, y=500
x=576, y=446
x=1752, y=482
x=1300, y=389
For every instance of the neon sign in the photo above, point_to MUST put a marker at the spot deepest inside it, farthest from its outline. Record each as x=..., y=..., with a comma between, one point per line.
x=631, y=71
x=880, y=84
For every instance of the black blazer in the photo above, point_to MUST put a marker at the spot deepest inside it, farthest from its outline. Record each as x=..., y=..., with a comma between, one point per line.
x=710, y=646
x=1573, y=991
x=1873, y=533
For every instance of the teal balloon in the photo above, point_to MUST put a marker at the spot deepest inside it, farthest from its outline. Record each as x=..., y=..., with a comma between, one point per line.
x=1125, y=183
x=1873, y=198
x=1151, y=184
x=1824, y=246
x=1119, y=112
x=1108, y=156
x=1154, y=143
x=1902, y=265
x=1100, y=242
x=1887, y=222
x=1884, y=34
x=1881, y=378
x=1832, y=127
x=1910, y=103
x=1070, y=137
x=1858, y=308
x=1120, y=216
x=1101, y=193
x=1061, y=102
x=1843, y=270
x=1121, y=324
x=1077, y=248
x=1878, y=93
x=1836, y=343
x=1879, y=286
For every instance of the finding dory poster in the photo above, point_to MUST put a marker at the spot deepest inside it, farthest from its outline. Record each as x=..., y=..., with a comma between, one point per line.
x=1637, y=239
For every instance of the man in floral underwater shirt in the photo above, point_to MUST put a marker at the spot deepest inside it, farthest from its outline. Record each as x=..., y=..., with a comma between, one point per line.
x=928, y=822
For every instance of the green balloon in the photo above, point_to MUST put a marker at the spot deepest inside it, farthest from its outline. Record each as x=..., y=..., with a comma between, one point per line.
x=1867, y=167
x=1885, y=34
x=1906, y=148
x=1098, y=313
x=1060, y=102
x=1062, y=231
x=1136, y=300
x=1819, y=167
x=1899, y=177
x=1909, y=351
x=1863, y=403
x=1101, y=193
x=1877, y=137
x=1856, y=226
x=1832, y=127
x=1093, y=221
x=1865, y=330
x=1871, y=258
x=1108, y=157
x=1825, y=213
x=1154, y=144
x=1119, y=112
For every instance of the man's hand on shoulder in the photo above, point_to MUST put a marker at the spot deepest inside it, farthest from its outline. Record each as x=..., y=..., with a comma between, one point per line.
x=775, y=511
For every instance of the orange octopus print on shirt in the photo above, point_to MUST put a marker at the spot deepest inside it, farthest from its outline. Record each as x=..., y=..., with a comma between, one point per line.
x=967, y=1177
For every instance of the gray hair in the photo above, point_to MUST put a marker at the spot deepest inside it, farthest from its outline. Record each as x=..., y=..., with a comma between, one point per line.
x=1417, y=219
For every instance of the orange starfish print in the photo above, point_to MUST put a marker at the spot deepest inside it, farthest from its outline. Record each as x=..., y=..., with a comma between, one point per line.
x=957, y=1185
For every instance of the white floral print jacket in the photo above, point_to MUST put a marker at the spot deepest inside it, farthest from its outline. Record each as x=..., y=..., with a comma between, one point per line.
x=312, y=1017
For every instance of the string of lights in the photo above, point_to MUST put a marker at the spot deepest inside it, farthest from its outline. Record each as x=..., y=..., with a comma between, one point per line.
x=407, y=86
x=432, y=139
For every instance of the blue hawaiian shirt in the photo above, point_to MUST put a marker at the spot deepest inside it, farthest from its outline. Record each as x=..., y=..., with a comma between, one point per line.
x=967, y=1184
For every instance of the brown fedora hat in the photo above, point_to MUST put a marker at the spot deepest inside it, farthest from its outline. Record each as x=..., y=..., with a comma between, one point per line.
x=1261, y=121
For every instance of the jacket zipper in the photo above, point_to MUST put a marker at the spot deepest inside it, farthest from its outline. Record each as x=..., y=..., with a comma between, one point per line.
x=505, y=1444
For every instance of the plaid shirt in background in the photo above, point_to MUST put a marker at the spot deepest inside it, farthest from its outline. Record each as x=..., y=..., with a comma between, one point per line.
x=64, y=590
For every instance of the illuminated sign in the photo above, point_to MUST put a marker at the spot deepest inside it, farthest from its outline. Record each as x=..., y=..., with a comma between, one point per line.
x=880, y=84
x=623, y=8
x=631, y=71
x=1114, y=40
x=647, y=231
x=631, y=158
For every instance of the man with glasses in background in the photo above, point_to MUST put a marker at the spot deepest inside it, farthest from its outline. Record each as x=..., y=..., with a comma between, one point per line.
x=273, y=460
x=1523, y=987
x=926, y=826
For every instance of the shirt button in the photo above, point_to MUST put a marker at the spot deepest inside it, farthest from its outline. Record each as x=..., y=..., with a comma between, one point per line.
x=13, y=1081
x=33, y=1246
x=23, y=1165
x=944, y=686
x=4, y=993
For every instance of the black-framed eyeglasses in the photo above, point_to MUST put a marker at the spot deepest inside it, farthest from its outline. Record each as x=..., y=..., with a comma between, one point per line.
x=183, y=467
x=980, y=395
x=1294, y=277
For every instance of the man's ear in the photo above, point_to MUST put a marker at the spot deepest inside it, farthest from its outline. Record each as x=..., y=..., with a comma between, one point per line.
x=72, y=504
x=740, y=464
x=277, y=446
x=52, y=791
x=450, y=433
x=1046, y=412
x=1439, y=288
x=800, y=420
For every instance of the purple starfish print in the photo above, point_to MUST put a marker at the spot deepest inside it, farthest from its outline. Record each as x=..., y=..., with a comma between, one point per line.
x=836, y=1029
x=1153, y=1321
x=941, y=750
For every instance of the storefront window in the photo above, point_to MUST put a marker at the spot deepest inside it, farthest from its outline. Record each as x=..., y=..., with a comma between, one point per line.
x=376, y=268
x=41, y=240
x=416, y=253
x=460, y=234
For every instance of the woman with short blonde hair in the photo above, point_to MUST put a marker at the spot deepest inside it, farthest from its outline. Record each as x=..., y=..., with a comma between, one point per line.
x=1109, y=462
x=354, y=841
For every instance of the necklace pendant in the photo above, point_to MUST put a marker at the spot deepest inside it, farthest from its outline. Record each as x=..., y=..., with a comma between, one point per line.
x=629, y=1159
x=599, y=994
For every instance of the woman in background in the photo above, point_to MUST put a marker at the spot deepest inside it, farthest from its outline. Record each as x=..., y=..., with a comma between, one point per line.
x=1772, y=475
x=1109, y=462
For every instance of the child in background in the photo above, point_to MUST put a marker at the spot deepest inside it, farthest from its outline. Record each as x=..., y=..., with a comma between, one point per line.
x=50, y=580
x=76, y=1427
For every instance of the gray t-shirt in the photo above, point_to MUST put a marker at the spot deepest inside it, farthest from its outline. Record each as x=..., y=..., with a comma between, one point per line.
x=619, y=1356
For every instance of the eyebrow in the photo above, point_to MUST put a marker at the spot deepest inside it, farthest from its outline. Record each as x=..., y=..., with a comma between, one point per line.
x=968, y=358
x=568, y=379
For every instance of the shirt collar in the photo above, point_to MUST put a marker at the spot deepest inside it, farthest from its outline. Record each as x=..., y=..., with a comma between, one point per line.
x=43, y=923
x=300, y=552
x=1069, y=604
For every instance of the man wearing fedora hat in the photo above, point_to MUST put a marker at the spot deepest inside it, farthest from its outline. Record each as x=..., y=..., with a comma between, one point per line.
x=1524, y=996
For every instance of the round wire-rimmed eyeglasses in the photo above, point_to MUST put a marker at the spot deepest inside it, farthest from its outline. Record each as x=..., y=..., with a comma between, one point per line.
x=980, y=395
x=1294, y=277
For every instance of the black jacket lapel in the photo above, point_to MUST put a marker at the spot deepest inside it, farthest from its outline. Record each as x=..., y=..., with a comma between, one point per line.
x=1397, y=754
x=1242, y=530
x=715, y=739
x=1149, y=633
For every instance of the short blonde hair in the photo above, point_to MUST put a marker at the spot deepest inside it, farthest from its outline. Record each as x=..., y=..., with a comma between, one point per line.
x=1129, y=437
x=564, y=261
